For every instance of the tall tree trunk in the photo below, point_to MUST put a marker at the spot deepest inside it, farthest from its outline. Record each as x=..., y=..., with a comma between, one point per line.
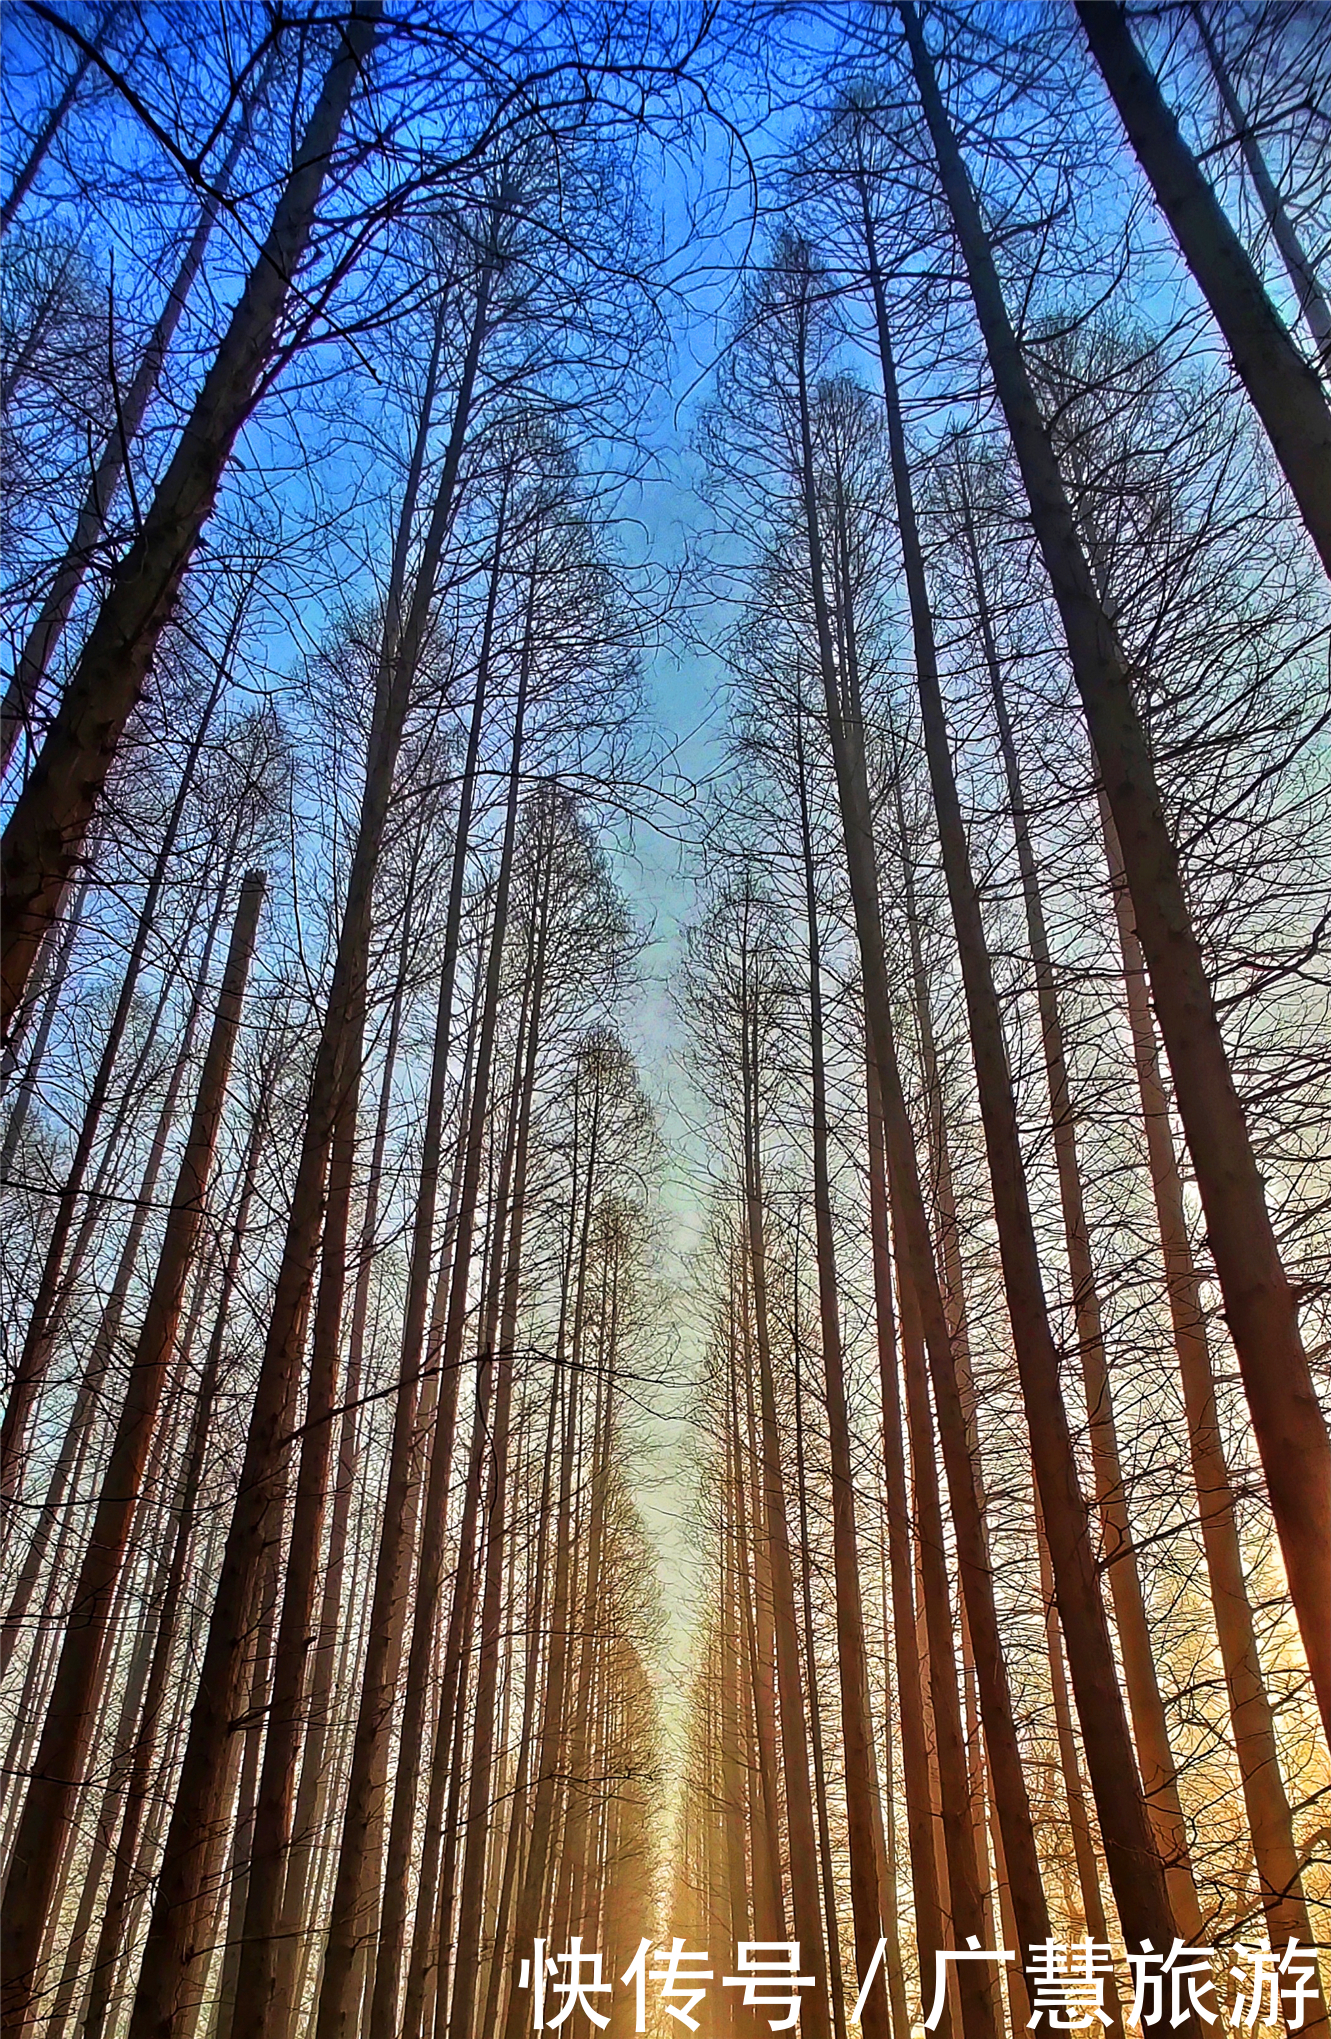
x=1159, y=1771
x=469, y=1915
x=62, y=1751
x=45, y=832
x=56, y=1278
x=1288, y=1422
x=18, y=711
x=1083, y=1845
x=833, y=1931
x=113, y=1934
x=852, y=1660
x=257, y=2007
x=312, y=1789
x=790, y=1694
x=108, y=1330
x=929, y=1936
x=922, y=1299
x=1286, y=393
x=1135, y=1869
x=1298, y=265
x=380, y=1673
x=1270, y=1821
x=168, y=1953
x=393, y=1913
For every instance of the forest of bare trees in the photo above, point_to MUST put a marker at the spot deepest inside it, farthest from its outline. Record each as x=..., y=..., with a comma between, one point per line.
x=666, y=1125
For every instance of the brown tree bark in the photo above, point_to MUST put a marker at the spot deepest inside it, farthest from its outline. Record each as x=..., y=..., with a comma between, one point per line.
x=45, y=832
x=826, y=1871
x=379, y=1677
x=1266, y=1801
x=17, y=712
x=1288, y=1421
x=113, y=1934
x=1285, y=392
x=852, y=1659
x=1135, y=1868
x=393, y=1910
x=1298, y=265
x=790, y=1694
x=924, y=1316
x=63, y=1747
x=56, y=1277
x=1159, y=1771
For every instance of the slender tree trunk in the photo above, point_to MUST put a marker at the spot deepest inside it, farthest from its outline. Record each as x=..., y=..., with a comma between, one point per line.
x=790, y=1695
x=1083, y=1845
x=1135, y=1868
x=831, y=1927
x=18, y=712
x=1288, y=1422
x=113, y=1934
x=264, y=1474
x=62, y=1751
x=922, y=1299
x=313, y=1786
x=52, y=1292
x=1298, y=266
x=852, y=1660
x=1270, y=1821
x=379, y=1678
x=257, y=2005
x=1286, y=393
x=393, y=1914
x=51, y=126
x=1159, y=1771
x=44, y=835
x=108, y=1330
x=929, y=1936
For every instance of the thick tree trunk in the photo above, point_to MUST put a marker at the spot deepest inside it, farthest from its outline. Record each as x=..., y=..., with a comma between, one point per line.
x=1286, y=393
x=44, y=835
x=1288, y=1422
x=60, y=948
